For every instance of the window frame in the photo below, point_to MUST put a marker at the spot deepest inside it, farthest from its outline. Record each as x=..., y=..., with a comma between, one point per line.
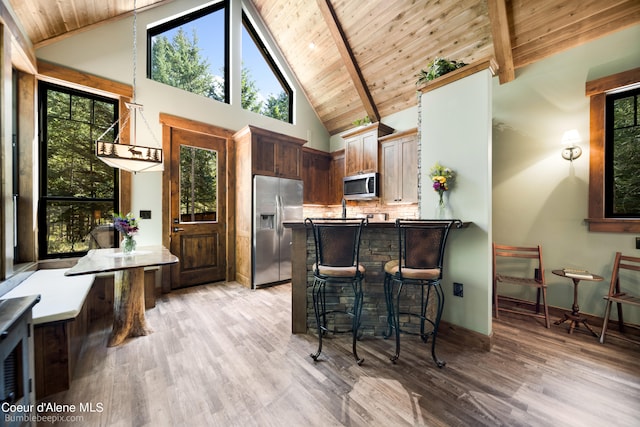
x=248, y=26
x=609, y=181
x=597, y=91
x=43, y=87
x=186, y=18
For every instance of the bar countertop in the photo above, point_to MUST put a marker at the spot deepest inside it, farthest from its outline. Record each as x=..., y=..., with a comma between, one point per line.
x=379, y=244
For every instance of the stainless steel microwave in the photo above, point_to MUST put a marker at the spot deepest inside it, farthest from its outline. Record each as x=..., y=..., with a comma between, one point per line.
x=361, y=187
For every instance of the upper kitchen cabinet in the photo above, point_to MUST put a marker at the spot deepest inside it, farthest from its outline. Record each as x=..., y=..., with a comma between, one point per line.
x=361, y=148
x=399, y=167
x=337, y=175
x=316, y=174
x=272, y=154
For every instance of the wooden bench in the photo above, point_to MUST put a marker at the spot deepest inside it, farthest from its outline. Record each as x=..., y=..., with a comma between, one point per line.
x=63, y=318
x=61, y=324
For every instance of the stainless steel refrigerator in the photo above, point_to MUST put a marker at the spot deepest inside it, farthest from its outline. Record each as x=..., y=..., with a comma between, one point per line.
x=275, y=200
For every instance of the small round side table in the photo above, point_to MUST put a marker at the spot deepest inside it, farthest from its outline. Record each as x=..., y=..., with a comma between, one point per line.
x=575, y=317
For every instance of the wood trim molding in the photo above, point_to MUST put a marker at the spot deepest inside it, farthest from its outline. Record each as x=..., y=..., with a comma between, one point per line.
x=471, y=339
x=25, y=54
x=170, y=122
x=86, y=81
x=461, y=73
x=616, y=81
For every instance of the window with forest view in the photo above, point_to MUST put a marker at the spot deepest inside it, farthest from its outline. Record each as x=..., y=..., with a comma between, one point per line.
x=264, y=88
x=622, y=179
x=78, y=195
x=191, y=52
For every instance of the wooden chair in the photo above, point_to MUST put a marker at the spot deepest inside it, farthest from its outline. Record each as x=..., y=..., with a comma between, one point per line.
x=616, y=294
x=513, y=264
x=337, y=254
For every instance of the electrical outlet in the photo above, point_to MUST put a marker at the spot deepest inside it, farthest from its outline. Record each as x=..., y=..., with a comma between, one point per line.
x=457, y=289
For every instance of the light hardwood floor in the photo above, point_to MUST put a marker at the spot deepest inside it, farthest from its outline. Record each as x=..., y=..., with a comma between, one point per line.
x=223, y=355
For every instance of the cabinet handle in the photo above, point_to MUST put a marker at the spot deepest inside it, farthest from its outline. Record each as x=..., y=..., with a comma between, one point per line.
x=176, y=229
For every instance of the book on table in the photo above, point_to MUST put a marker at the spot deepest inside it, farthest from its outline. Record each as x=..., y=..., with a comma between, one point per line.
x=577, y=274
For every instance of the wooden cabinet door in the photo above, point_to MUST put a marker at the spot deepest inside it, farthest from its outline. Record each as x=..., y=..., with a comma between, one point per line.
x=353, y=155
x=316, y=177
x=390, y=163
x=369, y=156
x=361, y=148
x=337, y=169
x=287, y=160
x=264, y=156
x=399, y=168
x=408, y=189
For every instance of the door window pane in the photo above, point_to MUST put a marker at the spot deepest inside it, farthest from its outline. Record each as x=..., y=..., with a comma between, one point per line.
x=198, y=184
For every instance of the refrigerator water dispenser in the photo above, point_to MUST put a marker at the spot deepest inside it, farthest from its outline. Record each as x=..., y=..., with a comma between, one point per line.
x=267, y=221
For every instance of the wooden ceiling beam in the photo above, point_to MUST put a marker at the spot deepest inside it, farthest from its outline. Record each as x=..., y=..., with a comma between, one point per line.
x=348, y=58
x=23, y=53
x=501, y=39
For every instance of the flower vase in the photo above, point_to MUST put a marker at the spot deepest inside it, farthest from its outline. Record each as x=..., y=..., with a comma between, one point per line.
x=443, y=209
x=128, y=245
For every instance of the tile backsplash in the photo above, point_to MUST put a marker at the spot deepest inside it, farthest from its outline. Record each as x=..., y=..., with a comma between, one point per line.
x=359, y=208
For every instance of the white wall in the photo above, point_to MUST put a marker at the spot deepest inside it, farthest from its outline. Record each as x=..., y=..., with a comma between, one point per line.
x=456, y=132
x=538, y=197
x=106, y=51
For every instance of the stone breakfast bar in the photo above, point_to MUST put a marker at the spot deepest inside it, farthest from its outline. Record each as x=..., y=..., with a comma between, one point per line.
x=378, y=244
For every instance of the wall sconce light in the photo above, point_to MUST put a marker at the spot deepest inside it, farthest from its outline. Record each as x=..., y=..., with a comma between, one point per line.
x=570, y=140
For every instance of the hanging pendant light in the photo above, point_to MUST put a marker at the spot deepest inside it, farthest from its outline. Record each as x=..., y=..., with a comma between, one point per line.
x=131, y=157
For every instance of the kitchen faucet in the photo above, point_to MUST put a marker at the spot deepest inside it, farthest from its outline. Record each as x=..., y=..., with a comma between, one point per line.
x=344, y=208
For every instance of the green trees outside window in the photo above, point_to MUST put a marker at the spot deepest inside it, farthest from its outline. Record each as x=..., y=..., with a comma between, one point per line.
x=190, y=53
x=198, y=184
x=78, y=191
x=622, y=179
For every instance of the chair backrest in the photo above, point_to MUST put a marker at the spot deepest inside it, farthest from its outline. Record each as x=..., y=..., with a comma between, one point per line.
x=526, y=261
x=422, y=242
x=337, y=240
x=623, y=262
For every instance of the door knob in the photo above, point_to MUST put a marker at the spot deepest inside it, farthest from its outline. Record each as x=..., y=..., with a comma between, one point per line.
x=176, y=229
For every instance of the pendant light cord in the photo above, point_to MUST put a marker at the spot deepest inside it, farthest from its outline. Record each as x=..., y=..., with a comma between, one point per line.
x=135, y=47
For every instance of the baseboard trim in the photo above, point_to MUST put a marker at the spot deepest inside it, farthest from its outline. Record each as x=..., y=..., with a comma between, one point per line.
x=469, y=338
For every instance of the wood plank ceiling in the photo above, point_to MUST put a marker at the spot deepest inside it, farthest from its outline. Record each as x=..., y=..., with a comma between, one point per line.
x=355, y=58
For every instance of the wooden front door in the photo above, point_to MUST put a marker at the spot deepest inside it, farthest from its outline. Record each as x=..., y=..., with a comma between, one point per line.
x=198, y=209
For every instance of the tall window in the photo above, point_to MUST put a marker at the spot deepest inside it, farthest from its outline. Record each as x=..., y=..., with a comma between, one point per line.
x=622, y=179
x=190, y=52
x=78, y=192
x=264, y=88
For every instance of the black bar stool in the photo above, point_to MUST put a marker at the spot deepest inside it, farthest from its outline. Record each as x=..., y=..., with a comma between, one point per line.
x=337, y=247
x=419, y=265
